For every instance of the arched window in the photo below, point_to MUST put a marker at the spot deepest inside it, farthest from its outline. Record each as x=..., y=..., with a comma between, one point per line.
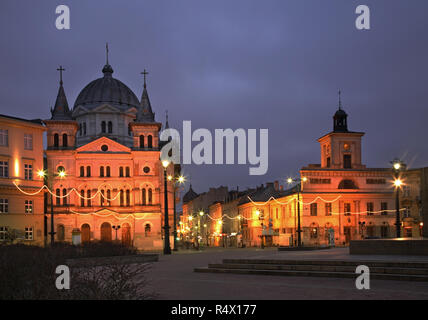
x=150, y=141
x=143, y=196
x=128, y=172
x=129, y=130
x=58, y=199
x=101, y=171
x=142, y=141
x=108, y=197
x=80, y=129
x=64, y=199
x=110, y=127
x=60, y=232
x=82, y=200
x=121, y=172
x=82, y=171
x=121, y=198
x=85, y=233
x=108, y=171
x=64, y=140
x=88, y=171
x=89, y=198
x=56, y=140
x=103, y=127
x=128, y=198
x=147, y=230
x=84, y=128
x=150, y=200
x=347, y=184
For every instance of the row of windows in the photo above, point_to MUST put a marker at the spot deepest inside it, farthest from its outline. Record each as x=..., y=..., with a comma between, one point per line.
x=4, y=233
x=4, y=206
x=4, y=170
x=105, y=171
x=347, y=209
x=105, y=197
x=64, y=140
x=4, y=139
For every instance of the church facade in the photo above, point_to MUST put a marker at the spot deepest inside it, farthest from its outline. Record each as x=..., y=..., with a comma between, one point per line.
x=104, y=168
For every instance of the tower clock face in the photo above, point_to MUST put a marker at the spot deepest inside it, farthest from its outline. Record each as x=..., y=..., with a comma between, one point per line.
x=347, y=147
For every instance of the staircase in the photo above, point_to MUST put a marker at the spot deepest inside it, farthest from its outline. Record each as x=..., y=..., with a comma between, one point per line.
x=403, y=271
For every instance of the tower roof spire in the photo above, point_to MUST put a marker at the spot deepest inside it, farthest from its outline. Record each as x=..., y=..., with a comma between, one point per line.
x=107, y=70
x=340, y=100
x=166, y=122
x=145, y=112
x=61, y=110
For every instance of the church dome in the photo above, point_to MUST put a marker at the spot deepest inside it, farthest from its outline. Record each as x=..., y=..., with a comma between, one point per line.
x=107, y=90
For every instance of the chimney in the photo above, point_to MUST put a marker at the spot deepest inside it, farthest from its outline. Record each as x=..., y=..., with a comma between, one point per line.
x=276, y=183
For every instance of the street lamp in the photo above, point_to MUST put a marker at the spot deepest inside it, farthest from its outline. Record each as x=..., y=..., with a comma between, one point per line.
x=397, y=166
x=299, y=229
x=167, y=246
x=180, y=180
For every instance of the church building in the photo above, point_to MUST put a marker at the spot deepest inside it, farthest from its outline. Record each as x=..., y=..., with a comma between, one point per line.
x=103, y=165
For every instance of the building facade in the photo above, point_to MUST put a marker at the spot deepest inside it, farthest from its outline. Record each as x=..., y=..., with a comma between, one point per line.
x=21, y=196
x=104, y=168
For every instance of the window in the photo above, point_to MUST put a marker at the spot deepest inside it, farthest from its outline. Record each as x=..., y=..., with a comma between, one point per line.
x=28, y=141
x=121, y=172
x=64, y=140
x=4, y=169
x=128, y=198
x=80, y=129
x=108, y=171
x=103, y=127
x=141, y=141
x=4, y=205
x=56, y=140
x=347, y=184
x=328, y=209
x=84, y=128
x=121, y=198
x=28, y=233
x=143, y=196
x=347, y=209
x=88, y=171
x=384, y=208
x=314, y=209
x=319, y=181
x=102, y=195
x=110, y=127
x=150, y=196
x=101, y=171
x=108, y=197
x=129, y=130
x=4, y=137
x=370, y=208
x=82, y=200
x=3, y=233
x=28, y=206
x=328, y=162
x=60, y=232
x=64, y=199
x=347, y=161
x=146, y=170
x=82, y=171
x=28, y=172
x=89, y=198
x=128, y=172
x=150, y=141
x=57, y=198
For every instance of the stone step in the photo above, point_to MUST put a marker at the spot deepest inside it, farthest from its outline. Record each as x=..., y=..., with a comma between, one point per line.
x=323, y=268
x=296, y=273
x=354, y=263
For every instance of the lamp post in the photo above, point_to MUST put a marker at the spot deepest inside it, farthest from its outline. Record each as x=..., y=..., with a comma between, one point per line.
x=175, y=180
x=398, y=166
x=116, y=228
x=201, y=214
x=299, y=229
x=167, y=246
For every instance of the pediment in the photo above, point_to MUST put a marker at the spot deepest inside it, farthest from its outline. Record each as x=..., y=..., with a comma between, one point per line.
x=97, y=145
x=105, y=108
x=79, y=111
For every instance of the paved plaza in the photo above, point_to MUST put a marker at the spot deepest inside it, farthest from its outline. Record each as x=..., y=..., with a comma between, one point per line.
x=173, y=278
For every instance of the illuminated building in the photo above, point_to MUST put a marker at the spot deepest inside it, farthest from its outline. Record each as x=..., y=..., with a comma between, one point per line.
x=108, y=146
x=21, y=159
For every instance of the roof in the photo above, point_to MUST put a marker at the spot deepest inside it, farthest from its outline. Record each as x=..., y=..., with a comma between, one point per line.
x=190, y=195
x=262, y=194
x=61, y=110
x=33, y=121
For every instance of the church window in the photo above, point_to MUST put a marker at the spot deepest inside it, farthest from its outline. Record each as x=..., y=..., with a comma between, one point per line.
x=129, y=130
x=121, y=198
x=108, y=197
x=64, y=140
x=150, y=141
x=88, y=171
x=108, y=171
x=128, y=172
x=103, y=127
x=128, y=198
x=150, y=200
x=121, y=172
x=58, y=199
x=64, y=199
x=146, y=169
x=82, y=171
x=104, y=148
x=142, y=141
x=347, y=184
x=84, y=128
x=102, y=194
x=56, y=140
x=143, y=196
x=89, y=198
x=328, y=162
x=82, y=196
x=110, y=127
x=80, y=129
x=101, y=171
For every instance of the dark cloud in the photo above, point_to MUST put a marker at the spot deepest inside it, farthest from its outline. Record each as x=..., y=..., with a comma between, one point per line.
x=239, y=64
